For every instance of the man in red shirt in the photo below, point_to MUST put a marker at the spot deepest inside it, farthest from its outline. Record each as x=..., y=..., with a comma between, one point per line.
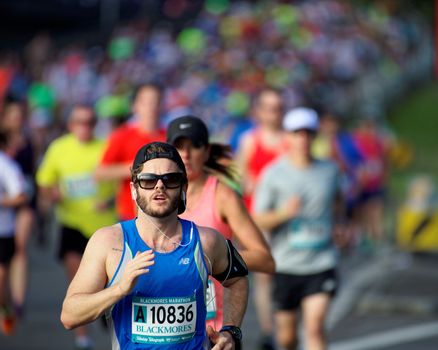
x=257, y=148
x=126, y=140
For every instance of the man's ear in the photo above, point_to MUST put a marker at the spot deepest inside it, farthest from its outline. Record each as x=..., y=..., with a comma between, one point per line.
x=133, y=192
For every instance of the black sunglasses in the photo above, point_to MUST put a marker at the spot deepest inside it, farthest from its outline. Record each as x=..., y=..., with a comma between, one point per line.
x=148, y=181
x=307, y=131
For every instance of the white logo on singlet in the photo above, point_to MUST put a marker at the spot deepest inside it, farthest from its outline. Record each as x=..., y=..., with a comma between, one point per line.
x=184, y=261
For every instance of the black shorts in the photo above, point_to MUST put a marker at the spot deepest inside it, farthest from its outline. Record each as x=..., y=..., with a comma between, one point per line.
x=7, y=250
x=72, y=240
x=289, y=290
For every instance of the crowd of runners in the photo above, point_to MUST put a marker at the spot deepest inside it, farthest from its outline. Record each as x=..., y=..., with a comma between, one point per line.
x=245, y=134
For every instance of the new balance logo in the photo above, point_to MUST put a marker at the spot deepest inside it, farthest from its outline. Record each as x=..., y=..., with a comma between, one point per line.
x=184, y=261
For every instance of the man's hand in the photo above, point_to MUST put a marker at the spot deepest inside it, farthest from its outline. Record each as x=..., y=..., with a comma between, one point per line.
x=293, y=206
x=103, y=205
x=221, y=340
x=134, y=268
x=56, y=194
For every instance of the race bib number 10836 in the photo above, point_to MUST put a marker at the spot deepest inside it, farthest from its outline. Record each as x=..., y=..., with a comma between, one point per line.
x=163, y=320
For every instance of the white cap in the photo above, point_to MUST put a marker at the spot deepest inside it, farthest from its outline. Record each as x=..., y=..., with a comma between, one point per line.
x=301, y=118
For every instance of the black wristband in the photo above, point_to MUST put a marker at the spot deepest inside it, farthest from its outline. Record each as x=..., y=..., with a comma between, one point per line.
x=236, y=334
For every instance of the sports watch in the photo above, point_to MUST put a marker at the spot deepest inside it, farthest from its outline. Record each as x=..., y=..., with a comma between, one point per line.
x=236, y=334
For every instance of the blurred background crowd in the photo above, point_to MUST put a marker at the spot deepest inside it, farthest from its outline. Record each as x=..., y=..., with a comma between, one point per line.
x=349, y=60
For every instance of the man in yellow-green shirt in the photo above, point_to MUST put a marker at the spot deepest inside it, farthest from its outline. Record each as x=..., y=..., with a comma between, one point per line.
x=65, y=177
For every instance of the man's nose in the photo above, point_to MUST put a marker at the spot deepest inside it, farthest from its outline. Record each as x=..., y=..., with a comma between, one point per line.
x=160, y=184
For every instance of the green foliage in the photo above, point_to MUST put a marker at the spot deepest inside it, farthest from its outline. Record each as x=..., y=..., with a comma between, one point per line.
x=415, y=121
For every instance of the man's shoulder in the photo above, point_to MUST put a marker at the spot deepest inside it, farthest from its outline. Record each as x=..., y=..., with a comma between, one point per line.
x=212, y=241
x=61, y=142
x=107, y=236
x=208, y=236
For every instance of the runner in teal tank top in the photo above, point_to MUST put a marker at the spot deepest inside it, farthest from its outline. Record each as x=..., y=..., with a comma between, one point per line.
x=149, y=275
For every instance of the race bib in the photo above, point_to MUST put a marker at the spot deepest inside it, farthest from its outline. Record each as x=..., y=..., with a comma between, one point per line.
x=211, y=301
x=80, y=186
x=309, y=234
x=163, y=320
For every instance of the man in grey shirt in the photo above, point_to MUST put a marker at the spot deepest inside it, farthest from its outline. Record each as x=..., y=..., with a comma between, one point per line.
x=295, y=202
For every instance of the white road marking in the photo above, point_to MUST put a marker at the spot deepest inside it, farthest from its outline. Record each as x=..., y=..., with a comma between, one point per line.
x=389, y=338
x=351, y=288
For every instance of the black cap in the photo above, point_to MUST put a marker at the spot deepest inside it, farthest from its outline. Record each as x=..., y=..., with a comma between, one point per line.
x=190, y=127
x=155, y=150
x=158, y=150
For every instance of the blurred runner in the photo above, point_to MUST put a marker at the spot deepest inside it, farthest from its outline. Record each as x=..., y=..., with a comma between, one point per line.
x=212, y=203
x=263, y=143
x=333, y=143
x=258, y=147
x=373, y=173
x=142, y=128
x=12, y=195
x=294, y=202
x=65, y=177
x=14, y=121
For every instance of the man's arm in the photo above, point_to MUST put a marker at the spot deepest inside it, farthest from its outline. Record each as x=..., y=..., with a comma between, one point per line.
x=112, y=172
x=51, y=194
x=114, y=165
x=218, y=251
x=87, y=298
x=236, y=288
x=14, y=201
x=235, y=301
x=268, y=215
x=13, y=184
x=271, y=219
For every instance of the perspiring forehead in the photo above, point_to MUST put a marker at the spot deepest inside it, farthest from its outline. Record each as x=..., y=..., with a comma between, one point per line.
x=160, y=166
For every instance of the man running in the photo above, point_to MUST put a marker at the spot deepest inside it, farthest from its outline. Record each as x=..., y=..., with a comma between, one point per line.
x=257, y=148
x=294, y=202
x=65, y=178
x=150, y=274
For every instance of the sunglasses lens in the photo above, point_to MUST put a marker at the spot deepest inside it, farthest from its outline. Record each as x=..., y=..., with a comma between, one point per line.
x=147, y=184
x=172, y=180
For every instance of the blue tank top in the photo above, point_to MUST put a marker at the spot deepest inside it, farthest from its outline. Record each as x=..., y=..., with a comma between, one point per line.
x=166, y=309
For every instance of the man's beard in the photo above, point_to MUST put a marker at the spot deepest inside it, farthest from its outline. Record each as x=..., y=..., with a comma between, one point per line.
x=157, y=213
